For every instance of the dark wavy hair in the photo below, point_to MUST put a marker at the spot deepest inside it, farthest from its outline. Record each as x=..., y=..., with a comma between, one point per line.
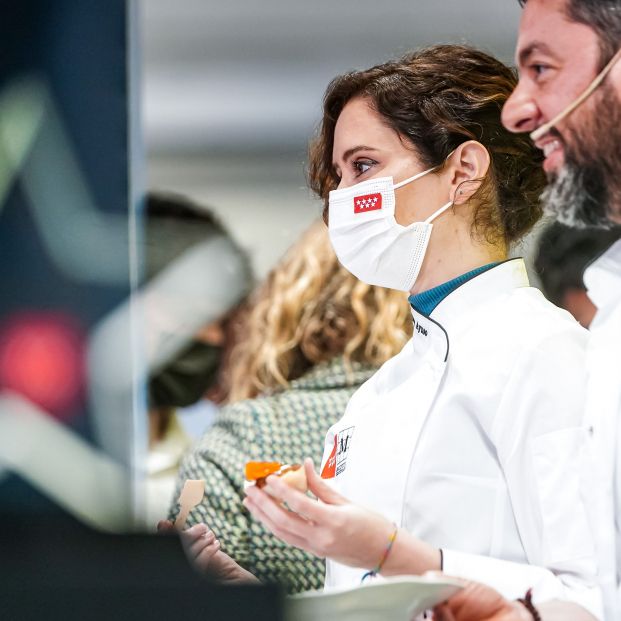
x=603, y=16
x=436, y=99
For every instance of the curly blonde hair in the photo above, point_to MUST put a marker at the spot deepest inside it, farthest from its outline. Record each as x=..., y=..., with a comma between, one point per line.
x=309, y=310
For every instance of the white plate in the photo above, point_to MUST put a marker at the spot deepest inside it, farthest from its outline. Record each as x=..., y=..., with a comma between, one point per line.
x=392, y=599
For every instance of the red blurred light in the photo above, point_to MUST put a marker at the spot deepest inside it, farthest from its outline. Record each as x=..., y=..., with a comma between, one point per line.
x=41, y=358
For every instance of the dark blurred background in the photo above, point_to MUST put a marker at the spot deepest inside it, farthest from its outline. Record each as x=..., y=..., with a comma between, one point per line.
x=66, y=194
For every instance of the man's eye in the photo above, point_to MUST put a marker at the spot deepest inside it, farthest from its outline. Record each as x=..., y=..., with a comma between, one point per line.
x=538, y=69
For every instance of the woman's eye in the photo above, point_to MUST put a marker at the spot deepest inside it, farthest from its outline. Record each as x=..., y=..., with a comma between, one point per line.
x=361, y=166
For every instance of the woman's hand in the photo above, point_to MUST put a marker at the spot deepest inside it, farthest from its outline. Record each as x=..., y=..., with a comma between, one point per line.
x=334, y=527
x=477, y=602
x=203, y=550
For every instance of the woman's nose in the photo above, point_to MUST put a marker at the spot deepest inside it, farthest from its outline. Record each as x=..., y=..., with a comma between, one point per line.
x=344, y=183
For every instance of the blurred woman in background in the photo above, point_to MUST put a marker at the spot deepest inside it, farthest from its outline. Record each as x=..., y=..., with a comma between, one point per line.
x=313, y=334
x=188, y=305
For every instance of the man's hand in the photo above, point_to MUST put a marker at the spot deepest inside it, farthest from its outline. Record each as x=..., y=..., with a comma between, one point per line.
x=477, y=602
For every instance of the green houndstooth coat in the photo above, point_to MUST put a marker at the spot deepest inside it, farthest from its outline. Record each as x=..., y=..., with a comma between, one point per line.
x=287, y=427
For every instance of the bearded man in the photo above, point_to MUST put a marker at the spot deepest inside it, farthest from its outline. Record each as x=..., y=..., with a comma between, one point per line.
x=569, y=100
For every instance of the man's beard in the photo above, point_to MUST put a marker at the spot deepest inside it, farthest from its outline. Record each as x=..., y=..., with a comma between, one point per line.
x=586, y=192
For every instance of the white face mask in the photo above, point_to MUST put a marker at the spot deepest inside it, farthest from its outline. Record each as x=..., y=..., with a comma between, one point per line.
x=367, y=239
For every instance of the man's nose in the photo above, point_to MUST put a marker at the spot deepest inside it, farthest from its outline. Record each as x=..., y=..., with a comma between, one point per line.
x=520, y=113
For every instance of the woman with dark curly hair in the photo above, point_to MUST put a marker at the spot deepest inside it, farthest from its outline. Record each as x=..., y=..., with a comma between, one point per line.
x=459, y=453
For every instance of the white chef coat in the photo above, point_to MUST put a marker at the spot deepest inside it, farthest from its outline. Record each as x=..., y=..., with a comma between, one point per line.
x=468, y=438
x=603, y=417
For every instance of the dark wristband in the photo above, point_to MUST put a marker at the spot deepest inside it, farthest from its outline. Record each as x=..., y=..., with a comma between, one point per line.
x=527, y=602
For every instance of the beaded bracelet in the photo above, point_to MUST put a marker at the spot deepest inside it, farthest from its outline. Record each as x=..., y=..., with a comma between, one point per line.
x=527, y=602
x=376, y=570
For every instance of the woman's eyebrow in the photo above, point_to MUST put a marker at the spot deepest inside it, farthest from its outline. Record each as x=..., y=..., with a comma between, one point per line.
x=353, y=151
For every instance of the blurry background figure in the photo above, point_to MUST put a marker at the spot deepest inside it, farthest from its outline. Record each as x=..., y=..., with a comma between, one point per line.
x=313, y=334
x=563, y=254
x=178, y=413
x=195, y=274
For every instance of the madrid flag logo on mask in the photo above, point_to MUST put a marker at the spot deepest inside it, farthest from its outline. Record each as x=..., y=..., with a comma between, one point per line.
x=393, y=254
x=368, y=202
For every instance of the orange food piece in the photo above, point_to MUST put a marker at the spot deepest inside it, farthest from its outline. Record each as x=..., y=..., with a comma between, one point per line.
x=261, y=469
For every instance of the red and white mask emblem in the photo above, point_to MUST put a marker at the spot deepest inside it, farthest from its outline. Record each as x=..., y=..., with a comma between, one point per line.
x=367, y=202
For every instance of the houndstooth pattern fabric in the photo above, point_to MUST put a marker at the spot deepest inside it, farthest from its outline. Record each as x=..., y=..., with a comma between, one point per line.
x=286, y=427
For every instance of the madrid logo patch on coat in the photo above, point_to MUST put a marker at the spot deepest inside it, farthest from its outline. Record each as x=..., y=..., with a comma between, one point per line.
x=338, y=457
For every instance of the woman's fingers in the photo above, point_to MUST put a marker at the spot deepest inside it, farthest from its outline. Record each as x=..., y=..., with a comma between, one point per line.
x=198, y=544
x=296, y=501
x=282, y=534
x=206, y=554
x=195, y=539
x=305, y=522
x=196, y=531
x=277, y=514
x=269, y=514
x=319, y=487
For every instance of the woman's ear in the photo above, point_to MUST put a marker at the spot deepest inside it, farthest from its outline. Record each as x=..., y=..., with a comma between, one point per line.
x=468, y=166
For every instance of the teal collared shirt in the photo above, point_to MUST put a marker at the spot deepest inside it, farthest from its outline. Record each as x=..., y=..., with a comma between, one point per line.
x=426, y=301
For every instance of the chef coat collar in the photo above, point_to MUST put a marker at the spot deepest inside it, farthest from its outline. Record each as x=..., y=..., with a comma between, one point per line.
x=602, y=278
x=431, y=336
x=425, y=301
x=503, y=278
